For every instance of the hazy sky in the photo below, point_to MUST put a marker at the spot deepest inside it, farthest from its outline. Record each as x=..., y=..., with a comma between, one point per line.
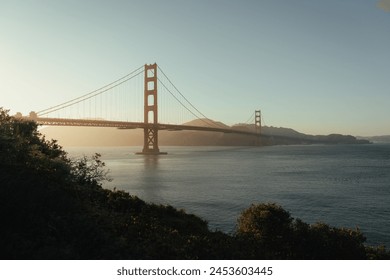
x=316, y=66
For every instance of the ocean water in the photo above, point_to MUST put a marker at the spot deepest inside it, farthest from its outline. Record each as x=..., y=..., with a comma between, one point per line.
x=341, y=185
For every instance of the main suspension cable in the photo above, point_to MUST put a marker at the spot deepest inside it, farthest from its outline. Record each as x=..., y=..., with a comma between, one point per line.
x=206, y=118
x=90, y=94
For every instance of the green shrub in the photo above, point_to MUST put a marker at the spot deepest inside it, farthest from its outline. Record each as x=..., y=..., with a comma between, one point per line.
x=280, y=236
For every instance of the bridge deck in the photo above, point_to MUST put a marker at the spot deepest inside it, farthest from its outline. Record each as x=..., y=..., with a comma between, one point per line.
x=133, y=125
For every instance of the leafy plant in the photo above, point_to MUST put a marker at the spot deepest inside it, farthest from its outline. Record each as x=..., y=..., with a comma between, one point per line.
x=89, y=171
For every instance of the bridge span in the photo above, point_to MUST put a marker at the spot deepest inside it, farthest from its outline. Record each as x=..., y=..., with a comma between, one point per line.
x=134, y=125
x=151, y=124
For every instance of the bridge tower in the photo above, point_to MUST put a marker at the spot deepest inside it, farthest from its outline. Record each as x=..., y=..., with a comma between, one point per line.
x=258, y=125
x=258, y=121
x=150, y=112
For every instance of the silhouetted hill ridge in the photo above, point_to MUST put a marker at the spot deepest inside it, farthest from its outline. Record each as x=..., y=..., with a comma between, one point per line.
x=206, y=123
x=379, y=139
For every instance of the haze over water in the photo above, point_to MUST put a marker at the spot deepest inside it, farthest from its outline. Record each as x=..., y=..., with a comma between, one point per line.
x=342, y=185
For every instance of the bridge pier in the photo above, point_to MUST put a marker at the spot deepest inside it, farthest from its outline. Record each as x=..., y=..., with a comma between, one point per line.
x=150, y=112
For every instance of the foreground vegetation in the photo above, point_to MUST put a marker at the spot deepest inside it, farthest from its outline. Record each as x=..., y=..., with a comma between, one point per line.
x=55, y=208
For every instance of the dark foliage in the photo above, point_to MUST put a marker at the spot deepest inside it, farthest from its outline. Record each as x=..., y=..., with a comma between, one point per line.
x=55, y=208
x=278, y=236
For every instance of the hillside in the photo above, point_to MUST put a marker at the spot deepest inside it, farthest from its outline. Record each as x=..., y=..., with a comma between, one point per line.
x=377, y=139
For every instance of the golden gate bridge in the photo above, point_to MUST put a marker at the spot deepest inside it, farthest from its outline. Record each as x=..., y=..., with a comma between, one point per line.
x=120, y=105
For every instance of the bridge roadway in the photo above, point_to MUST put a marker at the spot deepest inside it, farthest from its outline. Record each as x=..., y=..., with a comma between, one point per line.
x=133, y=125
x=160, y=126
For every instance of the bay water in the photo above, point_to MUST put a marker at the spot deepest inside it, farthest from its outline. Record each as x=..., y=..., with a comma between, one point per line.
x=341, y=185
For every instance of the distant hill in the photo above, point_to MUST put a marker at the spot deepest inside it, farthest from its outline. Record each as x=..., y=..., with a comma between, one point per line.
x=92, y=136
x=207, y=123
x=379, y=139
x=285, y=136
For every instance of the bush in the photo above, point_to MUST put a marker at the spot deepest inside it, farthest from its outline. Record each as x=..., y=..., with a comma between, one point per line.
x=328, y=242
x=268, y=222
x=282, y=237
x=270, y=228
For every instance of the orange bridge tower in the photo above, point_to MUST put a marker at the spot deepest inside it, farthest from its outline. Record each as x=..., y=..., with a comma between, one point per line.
x=258, y=126
x=150, y=112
